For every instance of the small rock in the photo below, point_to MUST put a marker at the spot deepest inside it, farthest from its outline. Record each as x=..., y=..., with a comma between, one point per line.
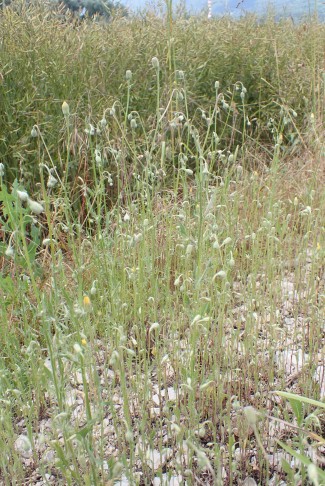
x=249, y=482
x=171, y=394
x=157, y=459
x=23, y=446
x=48, y=457
x=319, y=377
x=291, y=360
x=154, y=412
x=71, y=397
x=122, y=482
x=155, y=399
x=168, y=481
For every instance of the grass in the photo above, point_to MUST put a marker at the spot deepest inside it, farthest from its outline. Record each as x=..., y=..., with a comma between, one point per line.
x=162, y=250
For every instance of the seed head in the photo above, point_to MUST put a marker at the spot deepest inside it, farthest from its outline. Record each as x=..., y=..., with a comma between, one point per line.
x=2, y=169
x=128, y=75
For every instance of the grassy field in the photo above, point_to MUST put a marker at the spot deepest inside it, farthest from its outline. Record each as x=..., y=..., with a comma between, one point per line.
x=162, y=250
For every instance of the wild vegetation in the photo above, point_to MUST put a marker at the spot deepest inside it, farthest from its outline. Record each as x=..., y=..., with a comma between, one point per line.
x=162, y=250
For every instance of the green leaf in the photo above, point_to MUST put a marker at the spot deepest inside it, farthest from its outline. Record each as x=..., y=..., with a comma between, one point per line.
x=297, y=408
x=303, y=459
x=287, y=469
x=292, y=396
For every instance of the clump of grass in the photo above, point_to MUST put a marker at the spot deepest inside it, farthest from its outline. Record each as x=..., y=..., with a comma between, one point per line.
x=280, y=65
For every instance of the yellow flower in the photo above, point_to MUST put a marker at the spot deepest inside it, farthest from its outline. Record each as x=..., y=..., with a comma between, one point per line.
x=318, y=246
x=84, y=342
x=86, y=301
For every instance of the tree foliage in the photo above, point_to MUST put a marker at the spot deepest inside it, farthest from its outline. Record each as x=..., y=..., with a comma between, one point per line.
x=93, y=7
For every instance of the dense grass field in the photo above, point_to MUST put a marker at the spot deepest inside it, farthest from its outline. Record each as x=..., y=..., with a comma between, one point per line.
x=162, y=250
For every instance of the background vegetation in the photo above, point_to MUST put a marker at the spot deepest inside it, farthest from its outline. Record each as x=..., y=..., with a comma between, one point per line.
x=162, y=250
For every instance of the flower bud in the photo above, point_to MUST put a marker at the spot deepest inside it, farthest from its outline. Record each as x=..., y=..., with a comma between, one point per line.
x=189, y=250
x=181, y=75
x=65, y=109
x=10, y=251
x=313, y=474
x=91, y=130
x=35, y=207
x=251, y=415
x=22, y=196
x=128, y=75
x=154, y=326
x=221, y=274
x=133, y=124
x=77, y=348
x=52, y=181
x=34, y=132
x=155, y=62
x=103, y=122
